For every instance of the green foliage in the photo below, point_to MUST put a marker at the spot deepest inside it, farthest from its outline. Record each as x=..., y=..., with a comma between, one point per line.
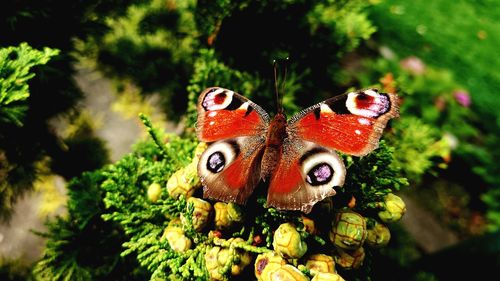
x=311, y=33
x=82, y=246
x=152, y=44
x=162, y=47
x=422, y=145
x=127, y=203
x=210, y=15
x=155, y=135
x=15, y=66
x=344, y=21
x=483, y=160
x=369, y=179
x=409, y=28
x=492, y=199
x=24, y=149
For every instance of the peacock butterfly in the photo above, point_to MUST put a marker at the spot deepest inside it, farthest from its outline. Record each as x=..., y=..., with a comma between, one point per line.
x=297, y=156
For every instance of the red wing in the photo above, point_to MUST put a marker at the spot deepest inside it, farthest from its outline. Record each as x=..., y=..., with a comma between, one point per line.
x=305, y=175
x=230, y=169
x=351, y=123
x=224, y=114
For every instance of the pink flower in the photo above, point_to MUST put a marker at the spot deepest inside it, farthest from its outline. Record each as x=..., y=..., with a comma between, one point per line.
x=413, y=65
x=462, y=97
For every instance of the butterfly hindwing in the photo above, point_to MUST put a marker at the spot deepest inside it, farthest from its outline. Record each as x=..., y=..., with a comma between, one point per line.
x=351, y=123
x=224, y=114
x=229, y=169
x=306, y=173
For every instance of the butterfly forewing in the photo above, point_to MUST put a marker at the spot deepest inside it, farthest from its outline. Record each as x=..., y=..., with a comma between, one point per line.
x=351, y=123
x=224, y=114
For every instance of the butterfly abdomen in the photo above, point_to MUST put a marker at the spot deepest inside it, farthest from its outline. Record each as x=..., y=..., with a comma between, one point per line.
x=274, y=145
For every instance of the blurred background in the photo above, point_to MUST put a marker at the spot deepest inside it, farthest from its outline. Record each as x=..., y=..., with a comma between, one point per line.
x=74, y=75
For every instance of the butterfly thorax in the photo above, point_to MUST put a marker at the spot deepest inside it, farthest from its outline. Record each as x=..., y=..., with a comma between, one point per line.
x=274, y=144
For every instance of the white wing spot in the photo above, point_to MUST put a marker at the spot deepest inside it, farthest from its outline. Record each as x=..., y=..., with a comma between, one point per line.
x=358, y=132
x=244, y=106
x=211, y=123
x=378, y=106
x=212, y=113
x=213, y=101
x=364, y=121
x=325, y=108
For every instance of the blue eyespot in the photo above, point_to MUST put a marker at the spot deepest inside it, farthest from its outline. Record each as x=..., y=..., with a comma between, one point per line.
x=216, y=162
x=319, y=174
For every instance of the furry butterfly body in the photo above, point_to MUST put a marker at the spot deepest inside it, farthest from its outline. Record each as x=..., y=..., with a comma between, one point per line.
x=296, y=157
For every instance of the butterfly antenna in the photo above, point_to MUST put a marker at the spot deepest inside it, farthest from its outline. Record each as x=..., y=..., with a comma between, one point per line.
x=279, y=98
x=283, y=83
x=279, y=108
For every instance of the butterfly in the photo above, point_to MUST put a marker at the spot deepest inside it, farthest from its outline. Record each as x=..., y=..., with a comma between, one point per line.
x=297, y=157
